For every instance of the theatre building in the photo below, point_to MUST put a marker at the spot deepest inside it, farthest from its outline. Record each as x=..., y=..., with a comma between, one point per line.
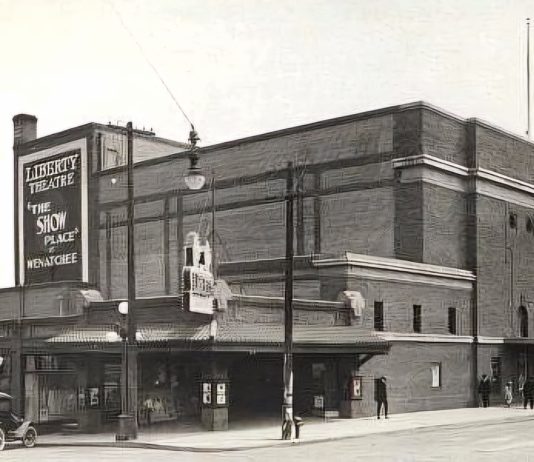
x=414, y=260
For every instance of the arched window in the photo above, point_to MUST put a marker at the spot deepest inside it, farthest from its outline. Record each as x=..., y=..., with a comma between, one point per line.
x=523, y=322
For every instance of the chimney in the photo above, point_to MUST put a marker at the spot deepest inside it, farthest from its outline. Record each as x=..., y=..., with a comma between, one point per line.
x=25, y=128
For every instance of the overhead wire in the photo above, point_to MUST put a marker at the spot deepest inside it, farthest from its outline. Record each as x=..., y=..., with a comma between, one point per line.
x=141, y=49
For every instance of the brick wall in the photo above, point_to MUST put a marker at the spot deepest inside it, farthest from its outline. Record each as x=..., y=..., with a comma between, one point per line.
x=360, y=222
x=246, y=229
x=408, y=226
x=445, y=227
x=398, y=299
x=443, y=137
x=408, y=370
x=495, y=263
x=504, y=154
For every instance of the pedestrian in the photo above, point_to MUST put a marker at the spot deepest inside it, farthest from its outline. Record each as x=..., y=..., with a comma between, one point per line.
x=508, y=397
x=148, y=407
x=528, y=393
x=484, y=389
x=381, y=397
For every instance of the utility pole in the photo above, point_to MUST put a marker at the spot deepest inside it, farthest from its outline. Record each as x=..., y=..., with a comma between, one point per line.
x=287, y=407
x=128, y=417
x=213, y=252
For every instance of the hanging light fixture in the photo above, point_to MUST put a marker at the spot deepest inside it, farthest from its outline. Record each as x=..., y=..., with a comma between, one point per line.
x=194, y=179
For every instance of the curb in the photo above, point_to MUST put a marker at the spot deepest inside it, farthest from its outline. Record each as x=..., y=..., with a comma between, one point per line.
x=176, y=448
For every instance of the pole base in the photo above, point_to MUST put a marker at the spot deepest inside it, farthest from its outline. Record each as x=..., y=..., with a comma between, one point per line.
x=127, y=428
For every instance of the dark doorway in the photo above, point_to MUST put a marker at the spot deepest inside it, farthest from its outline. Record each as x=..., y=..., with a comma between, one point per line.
x=523, y=322
x=256, y=387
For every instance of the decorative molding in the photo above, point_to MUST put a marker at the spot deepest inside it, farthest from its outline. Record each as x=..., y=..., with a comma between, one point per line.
x=439, y=178
x=407, y=278
x=426, y=338
x=392, y=264
x=430, y=169
x=431, y=161
x=491, y=340
x=504, y=180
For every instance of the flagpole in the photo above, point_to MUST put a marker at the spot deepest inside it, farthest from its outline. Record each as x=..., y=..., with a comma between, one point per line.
x=528, y=78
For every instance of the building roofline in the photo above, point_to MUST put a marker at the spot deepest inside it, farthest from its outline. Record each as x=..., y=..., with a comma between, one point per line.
x=338, y=121
x=98, y=126
x=341, y=120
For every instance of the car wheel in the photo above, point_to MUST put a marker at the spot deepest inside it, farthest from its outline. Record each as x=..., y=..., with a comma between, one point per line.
x=30, y=438
x=2, y=439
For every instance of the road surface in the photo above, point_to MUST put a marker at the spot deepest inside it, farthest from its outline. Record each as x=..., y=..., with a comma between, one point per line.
x=495, y=441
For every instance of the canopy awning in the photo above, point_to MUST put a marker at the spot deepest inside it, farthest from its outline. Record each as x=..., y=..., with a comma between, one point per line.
x=232, y=336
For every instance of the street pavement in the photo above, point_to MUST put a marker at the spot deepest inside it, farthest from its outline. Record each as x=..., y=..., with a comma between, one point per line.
x=254, y=436
x=497, y=440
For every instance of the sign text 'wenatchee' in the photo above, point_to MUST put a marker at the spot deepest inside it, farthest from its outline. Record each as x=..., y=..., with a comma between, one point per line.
x=52, y=218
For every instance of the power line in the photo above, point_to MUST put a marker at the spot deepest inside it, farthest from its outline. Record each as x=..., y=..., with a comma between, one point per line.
x=150, y=63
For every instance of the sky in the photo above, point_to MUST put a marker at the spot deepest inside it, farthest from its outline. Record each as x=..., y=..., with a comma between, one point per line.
x=244, y=67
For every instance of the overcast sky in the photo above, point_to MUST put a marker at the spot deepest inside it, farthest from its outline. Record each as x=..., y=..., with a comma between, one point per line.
x=243, y=67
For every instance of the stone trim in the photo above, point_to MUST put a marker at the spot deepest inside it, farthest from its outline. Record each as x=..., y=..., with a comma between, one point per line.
x=392, y=264
x=453, y=176
x=426, y=338
x=431, y=161
x=491, y=340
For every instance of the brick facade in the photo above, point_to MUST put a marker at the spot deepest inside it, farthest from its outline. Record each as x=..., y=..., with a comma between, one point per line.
x=406, y=205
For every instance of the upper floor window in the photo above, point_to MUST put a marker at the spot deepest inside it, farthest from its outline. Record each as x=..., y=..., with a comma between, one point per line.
x=379, y=316
x=417, y=318
x=113, y=151
x=452, y=321
x=523, y=321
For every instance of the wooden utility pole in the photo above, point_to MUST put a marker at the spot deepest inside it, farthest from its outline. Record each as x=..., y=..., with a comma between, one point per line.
x=287, y=408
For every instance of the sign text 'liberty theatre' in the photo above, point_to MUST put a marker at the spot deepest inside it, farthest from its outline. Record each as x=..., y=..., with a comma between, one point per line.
x=51, y=189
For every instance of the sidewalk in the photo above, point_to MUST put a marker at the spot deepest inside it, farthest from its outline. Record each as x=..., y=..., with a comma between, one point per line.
x=313, y=431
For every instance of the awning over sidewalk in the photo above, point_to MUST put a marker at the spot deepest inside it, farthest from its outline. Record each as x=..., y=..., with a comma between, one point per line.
x=231, y=336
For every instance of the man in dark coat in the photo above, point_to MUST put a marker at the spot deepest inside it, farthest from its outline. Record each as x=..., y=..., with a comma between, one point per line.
x=484, y=389
x=528, y=393
x=381, y=397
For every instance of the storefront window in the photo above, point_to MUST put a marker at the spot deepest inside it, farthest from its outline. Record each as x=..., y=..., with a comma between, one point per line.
x=51, y=388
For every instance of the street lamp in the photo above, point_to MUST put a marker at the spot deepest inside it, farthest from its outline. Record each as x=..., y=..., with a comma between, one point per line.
x=125, y=430
x=194, y=179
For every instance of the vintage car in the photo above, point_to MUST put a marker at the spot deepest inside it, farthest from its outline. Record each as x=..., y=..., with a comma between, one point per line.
x=12, y=427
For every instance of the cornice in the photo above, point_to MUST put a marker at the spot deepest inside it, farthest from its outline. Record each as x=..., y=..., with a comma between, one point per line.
x=391, y=264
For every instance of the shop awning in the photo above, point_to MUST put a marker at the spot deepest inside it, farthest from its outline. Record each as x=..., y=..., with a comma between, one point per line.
x=233, y=336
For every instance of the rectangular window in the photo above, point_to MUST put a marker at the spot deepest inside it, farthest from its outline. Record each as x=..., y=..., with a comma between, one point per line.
x=114, y=151
x=452, y=321
x=379, y=316
x=417, y=318
x=436, y=375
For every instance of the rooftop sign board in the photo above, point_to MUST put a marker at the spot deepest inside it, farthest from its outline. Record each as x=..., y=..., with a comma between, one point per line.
x=53, y=214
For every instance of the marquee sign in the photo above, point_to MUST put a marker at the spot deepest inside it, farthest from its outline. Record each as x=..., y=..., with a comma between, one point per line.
x=53, y=214
x=198, y=282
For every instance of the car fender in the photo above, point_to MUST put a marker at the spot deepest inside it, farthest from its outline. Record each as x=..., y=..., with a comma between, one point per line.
x=19, y=432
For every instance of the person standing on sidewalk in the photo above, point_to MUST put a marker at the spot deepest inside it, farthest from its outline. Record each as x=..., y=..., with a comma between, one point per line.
x=381, y=397
x=508, y=397
x=484, y=389
x=528, y=393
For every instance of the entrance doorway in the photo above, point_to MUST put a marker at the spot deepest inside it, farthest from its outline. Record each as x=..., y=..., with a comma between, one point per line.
x=256, y=387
